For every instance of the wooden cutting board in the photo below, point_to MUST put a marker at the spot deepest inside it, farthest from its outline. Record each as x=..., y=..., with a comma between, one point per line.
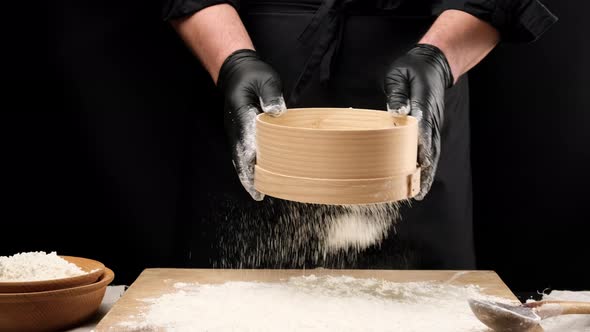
x=155, y=282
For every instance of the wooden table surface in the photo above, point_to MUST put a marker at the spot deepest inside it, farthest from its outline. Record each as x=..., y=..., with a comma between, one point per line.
x=155, y=282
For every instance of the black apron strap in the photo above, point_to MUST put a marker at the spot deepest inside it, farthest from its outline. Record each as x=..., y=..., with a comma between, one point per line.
x=328, y=23
x=326, y=27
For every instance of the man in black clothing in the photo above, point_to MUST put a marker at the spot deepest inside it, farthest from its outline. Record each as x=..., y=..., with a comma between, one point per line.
x=408, y=57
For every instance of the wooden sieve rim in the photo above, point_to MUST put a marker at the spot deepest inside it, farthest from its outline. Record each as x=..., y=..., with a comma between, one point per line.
x=411, y=121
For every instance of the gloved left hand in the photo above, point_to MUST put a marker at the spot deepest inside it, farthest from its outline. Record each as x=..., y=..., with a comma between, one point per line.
x=415, y=84
x=250, y=86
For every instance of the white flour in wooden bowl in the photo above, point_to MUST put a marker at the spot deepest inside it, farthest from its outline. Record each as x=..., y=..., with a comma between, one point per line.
x=311, y=304
x=36, y=266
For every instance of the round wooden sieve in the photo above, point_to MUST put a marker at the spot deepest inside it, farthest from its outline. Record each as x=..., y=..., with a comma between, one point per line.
x=337, y=156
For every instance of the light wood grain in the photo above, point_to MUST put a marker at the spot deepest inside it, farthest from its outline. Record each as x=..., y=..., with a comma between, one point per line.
x=155, y=282
x=330, y=144
x=338, y=191
x=52, y=310
x=568, y=307
x=575, y=308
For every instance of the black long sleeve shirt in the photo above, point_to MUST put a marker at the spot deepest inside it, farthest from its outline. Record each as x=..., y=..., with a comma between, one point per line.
x=516, y=20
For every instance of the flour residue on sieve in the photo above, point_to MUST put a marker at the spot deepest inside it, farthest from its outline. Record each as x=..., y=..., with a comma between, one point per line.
x=311, y=303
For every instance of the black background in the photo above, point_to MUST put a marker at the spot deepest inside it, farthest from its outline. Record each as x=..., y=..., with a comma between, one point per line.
x=530, y=116
x=530, y=156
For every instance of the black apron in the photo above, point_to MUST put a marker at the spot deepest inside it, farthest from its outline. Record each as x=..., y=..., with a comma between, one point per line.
x=331, y=54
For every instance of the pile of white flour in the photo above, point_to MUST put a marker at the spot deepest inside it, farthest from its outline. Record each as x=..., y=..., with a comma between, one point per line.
x=311, y=304
x=35, y=266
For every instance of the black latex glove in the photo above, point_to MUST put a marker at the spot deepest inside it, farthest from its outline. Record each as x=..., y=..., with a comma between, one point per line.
x=415, y=84
x=249, y=86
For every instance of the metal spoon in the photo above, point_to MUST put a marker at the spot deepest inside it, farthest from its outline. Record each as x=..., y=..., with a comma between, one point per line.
x=523, y=318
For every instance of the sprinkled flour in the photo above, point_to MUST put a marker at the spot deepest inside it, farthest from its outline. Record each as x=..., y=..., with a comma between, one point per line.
x=35, y=266
x=287, y=234
x=358, y=227
x=311, y=304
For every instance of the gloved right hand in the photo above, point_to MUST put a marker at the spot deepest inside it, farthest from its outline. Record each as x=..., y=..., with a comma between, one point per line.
x=249, y=86
x=415, y=84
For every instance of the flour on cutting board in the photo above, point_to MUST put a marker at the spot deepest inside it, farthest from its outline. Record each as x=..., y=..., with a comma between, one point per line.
x=311, y=304
x=35, y=266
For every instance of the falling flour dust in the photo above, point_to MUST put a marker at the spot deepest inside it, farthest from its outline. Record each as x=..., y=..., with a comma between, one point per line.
x=311, y=303
x=283, y=234
x=358, y=227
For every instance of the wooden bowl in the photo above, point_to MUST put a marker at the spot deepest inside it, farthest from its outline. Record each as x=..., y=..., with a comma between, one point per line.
x=337, y=156
x=52, y=310
x=93, y=268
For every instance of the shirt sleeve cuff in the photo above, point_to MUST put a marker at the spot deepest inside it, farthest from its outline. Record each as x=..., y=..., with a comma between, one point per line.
x=516, y=20
x=181, y=8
